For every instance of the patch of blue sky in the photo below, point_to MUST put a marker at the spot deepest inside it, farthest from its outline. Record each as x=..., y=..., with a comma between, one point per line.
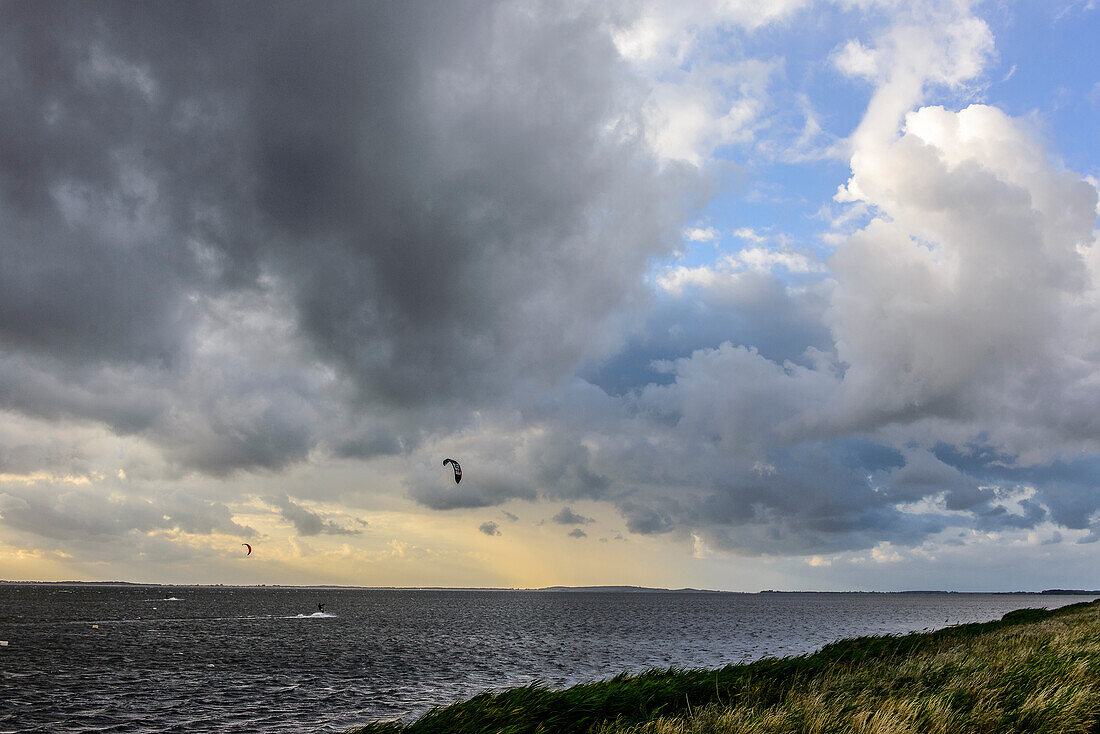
x=779, y=181
x=1049, y=69
x=780, y=202
x=807, y=44
x=775, y=190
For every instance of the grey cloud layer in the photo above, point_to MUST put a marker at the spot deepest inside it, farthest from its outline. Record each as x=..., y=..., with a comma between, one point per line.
x=79, y=514
x=224, y=225
x=307, y=522
x=252, y=234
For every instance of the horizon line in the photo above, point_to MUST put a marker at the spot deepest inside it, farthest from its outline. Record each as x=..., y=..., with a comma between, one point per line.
x=610, y=588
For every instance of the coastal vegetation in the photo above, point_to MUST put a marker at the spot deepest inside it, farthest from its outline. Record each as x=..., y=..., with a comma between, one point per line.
x=1034, y=670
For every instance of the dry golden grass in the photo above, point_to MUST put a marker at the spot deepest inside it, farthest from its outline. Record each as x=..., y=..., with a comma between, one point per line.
x=1038, y=677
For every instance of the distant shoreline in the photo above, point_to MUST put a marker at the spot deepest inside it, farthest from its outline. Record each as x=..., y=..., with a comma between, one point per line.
x=544, y=589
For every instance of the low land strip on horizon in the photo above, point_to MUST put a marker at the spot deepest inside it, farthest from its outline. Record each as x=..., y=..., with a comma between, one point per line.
x=554, y=589
x=1034, y=670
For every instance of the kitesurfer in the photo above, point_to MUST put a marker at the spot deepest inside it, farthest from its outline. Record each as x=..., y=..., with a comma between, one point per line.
x=321, y=607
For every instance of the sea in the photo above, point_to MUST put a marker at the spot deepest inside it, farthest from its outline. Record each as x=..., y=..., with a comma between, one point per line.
x=86, y=658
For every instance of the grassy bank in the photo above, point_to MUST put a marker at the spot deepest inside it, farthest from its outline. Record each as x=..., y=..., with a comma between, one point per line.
x=1032, y=671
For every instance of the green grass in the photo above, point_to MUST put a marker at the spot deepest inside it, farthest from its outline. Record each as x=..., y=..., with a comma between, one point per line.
x=1032, y=671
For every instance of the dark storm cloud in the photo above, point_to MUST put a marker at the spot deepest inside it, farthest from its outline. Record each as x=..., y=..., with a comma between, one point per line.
x=365, y=447
x=1067, y=487
x=489, y=528
x=923, y=474
x=491, y=487
x=441, y=200
x=645, y=520
x=814, y=497
x=564, y=467
x=305, y=521
x=222, y=415
x=567, y=517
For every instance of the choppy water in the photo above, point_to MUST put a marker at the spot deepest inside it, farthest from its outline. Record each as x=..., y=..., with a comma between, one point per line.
x=221, y=659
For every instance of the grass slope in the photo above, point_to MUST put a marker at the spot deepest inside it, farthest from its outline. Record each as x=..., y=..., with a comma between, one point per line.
x=1032, y=671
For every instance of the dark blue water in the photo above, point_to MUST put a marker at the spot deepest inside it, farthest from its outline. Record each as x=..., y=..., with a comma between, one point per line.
x=226, y=659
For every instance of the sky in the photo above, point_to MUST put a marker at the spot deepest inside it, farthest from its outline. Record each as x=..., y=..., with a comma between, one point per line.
x=728, y=294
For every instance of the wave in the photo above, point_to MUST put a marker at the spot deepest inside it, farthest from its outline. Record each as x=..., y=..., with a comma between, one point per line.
x=315, y=615
x=176, y=620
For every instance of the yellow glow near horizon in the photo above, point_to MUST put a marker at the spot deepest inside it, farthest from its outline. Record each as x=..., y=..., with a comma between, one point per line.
x=394, y=549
